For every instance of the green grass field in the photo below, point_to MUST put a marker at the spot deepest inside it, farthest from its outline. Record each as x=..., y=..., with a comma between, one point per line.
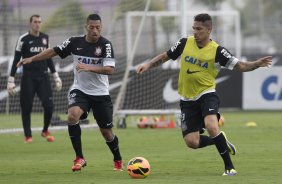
x=258, y=160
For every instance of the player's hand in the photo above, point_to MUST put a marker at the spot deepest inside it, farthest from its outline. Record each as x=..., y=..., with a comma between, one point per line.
x=142, y=68
x=82, y=67
x=58, y=81
x=265, y=61
x=24, y=61
x=11, y=86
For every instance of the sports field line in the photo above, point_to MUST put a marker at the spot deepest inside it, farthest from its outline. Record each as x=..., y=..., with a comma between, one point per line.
x=38, y=129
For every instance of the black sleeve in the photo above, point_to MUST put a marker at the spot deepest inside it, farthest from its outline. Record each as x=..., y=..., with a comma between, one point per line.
x=50, y=65
x=109, y=51
x=175, y=51
x=64, y=49
x=17, y=58
x=223, y=56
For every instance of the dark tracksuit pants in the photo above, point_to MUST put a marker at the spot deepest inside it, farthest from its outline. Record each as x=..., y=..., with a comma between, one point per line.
x=35, y=83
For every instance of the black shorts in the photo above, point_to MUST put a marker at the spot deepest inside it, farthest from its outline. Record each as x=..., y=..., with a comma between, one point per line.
x=194, y=112
x=101, y=106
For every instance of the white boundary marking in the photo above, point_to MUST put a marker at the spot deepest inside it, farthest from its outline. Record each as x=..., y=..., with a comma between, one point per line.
x=38, y=129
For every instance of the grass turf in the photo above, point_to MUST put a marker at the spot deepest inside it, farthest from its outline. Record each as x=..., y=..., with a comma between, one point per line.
x=258, y=160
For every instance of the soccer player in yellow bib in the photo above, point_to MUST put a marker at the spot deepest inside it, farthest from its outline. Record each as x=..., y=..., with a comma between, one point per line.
x=201, y=60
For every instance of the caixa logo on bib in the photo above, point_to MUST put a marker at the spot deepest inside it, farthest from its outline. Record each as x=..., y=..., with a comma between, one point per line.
x=271, y=89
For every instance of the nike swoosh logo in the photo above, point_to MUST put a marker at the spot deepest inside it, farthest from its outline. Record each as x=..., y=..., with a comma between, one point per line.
x=221, y=79
x=223, y=152
x=191, y=72
x=78, y=48
x=170, y=95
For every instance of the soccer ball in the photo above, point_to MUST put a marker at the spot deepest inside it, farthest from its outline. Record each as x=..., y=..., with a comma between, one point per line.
x=138, y=167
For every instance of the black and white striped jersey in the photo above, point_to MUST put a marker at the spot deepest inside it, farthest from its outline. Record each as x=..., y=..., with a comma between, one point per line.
x=96, y=54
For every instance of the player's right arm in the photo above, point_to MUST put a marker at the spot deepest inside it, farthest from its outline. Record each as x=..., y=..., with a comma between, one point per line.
x=46, y=54
x=156, y=61
x=173, y=53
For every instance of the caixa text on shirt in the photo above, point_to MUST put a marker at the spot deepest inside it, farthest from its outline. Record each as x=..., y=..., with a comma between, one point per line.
x=196, y=61
x=88, y=60
x=37, y=49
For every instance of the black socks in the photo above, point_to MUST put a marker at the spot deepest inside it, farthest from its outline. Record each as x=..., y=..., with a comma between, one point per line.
x=113, y=145
x=221, y=145
x=75, y=136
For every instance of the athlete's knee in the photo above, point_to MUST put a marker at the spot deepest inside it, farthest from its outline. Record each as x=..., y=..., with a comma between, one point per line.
x=211, y=124
x=191, y=142
x=213, y=129
x=74, y=114
x=73, y=118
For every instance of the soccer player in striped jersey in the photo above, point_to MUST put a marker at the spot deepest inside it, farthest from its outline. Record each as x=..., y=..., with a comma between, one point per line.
x=35, y=78
x=93, y=61
x=200, y=61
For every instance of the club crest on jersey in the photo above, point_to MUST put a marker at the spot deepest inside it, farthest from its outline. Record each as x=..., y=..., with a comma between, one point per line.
x=98, y=51
x=44, y=41
x=71, y=98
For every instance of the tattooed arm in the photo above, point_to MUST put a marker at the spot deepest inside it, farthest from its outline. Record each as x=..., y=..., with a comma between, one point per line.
x=249, y=66
x=156, y=61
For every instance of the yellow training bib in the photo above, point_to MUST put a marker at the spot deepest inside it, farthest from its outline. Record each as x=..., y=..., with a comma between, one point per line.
x=197, y=69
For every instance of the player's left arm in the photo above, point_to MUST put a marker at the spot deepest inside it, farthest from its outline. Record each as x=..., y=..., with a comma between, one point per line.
x=227, y=60
x=245, y=66
x=156, y=61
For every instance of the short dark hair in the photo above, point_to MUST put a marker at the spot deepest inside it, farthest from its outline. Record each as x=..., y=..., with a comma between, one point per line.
x=31, y=17
x=204, y=18
x=93, y=17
